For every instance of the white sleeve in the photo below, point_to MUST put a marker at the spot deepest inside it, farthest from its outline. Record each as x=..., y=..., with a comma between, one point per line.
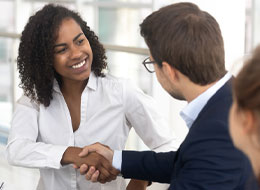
x=22, y=148
x=148, y=123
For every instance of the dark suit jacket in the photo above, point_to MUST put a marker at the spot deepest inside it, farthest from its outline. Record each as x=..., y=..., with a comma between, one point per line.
x=206, y=160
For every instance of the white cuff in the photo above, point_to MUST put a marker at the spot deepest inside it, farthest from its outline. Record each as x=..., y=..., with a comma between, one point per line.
x=117, y=159
x=57, y=153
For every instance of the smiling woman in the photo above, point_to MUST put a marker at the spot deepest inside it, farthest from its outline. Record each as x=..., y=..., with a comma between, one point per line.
x=69, y=103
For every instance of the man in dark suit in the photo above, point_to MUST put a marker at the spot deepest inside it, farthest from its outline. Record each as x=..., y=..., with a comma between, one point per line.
x=187, y=55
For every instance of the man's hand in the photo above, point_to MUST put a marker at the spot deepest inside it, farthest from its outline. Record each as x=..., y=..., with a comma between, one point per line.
x=101, y=149
x=92, y=174
x=105, y=170
x=97, y=162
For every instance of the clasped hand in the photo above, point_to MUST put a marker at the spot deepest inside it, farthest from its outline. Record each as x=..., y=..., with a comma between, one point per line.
x=100, y=169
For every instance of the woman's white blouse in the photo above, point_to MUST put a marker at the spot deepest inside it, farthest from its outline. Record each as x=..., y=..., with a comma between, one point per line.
x=109, y=108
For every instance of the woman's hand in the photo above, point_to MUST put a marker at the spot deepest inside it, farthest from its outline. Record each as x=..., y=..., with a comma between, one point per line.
x=93, y=159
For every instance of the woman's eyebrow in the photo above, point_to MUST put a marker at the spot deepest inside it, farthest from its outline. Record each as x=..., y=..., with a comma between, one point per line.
x=64, y=44
x=74, y=39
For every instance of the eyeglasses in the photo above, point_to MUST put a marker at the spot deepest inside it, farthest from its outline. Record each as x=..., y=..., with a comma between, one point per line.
x=149, y=65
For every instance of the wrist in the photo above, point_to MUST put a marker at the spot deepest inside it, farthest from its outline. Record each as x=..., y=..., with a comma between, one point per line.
x=146, y=183
x=138, y=183
x=112, y=155
x=70, y=155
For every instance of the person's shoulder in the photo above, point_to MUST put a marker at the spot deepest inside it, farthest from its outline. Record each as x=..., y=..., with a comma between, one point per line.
x=210, y=138
x=221, y=100
x=210, y=127
x=118, y=86
x=25, y=101
x=212, y=122
x=217, y=108
x=110, y=81
x=113, y=79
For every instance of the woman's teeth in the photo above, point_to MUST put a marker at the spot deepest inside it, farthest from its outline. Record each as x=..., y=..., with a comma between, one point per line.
x=79, y=65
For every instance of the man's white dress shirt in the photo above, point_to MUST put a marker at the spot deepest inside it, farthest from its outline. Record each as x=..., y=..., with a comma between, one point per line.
x=188, y=114
x=109, y=108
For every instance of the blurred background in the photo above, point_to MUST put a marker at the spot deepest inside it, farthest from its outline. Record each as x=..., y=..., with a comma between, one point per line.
x=116, y=22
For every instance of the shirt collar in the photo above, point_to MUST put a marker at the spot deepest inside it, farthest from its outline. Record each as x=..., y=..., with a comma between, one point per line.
x=192, y=110
x=92, y=83
x=56, y=86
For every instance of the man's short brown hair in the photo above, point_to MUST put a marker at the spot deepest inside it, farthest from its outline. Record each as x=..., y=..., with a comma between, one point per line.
x=188, y=39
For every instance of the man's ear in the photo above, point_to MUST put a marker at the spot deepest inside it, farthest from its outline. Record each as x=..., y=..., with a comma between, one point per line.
x=170, y=72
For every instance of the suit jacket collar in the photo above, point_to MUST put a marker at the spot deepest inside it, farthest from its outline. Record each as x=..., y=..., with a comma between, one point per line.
x=224, y=91
x=190, y=113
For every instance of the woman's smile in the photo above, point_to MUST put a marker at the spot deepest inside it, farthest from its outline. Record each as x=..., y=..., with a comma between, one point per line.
x=80, y=66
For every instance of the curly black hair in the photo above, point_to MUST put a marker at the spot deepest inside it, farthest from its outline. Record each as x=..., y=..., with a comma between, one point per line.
x=36, y=52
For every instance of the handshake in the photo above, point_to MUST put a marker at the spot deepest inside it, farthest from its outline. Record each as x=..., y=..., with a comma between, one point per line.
x=95, y=162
